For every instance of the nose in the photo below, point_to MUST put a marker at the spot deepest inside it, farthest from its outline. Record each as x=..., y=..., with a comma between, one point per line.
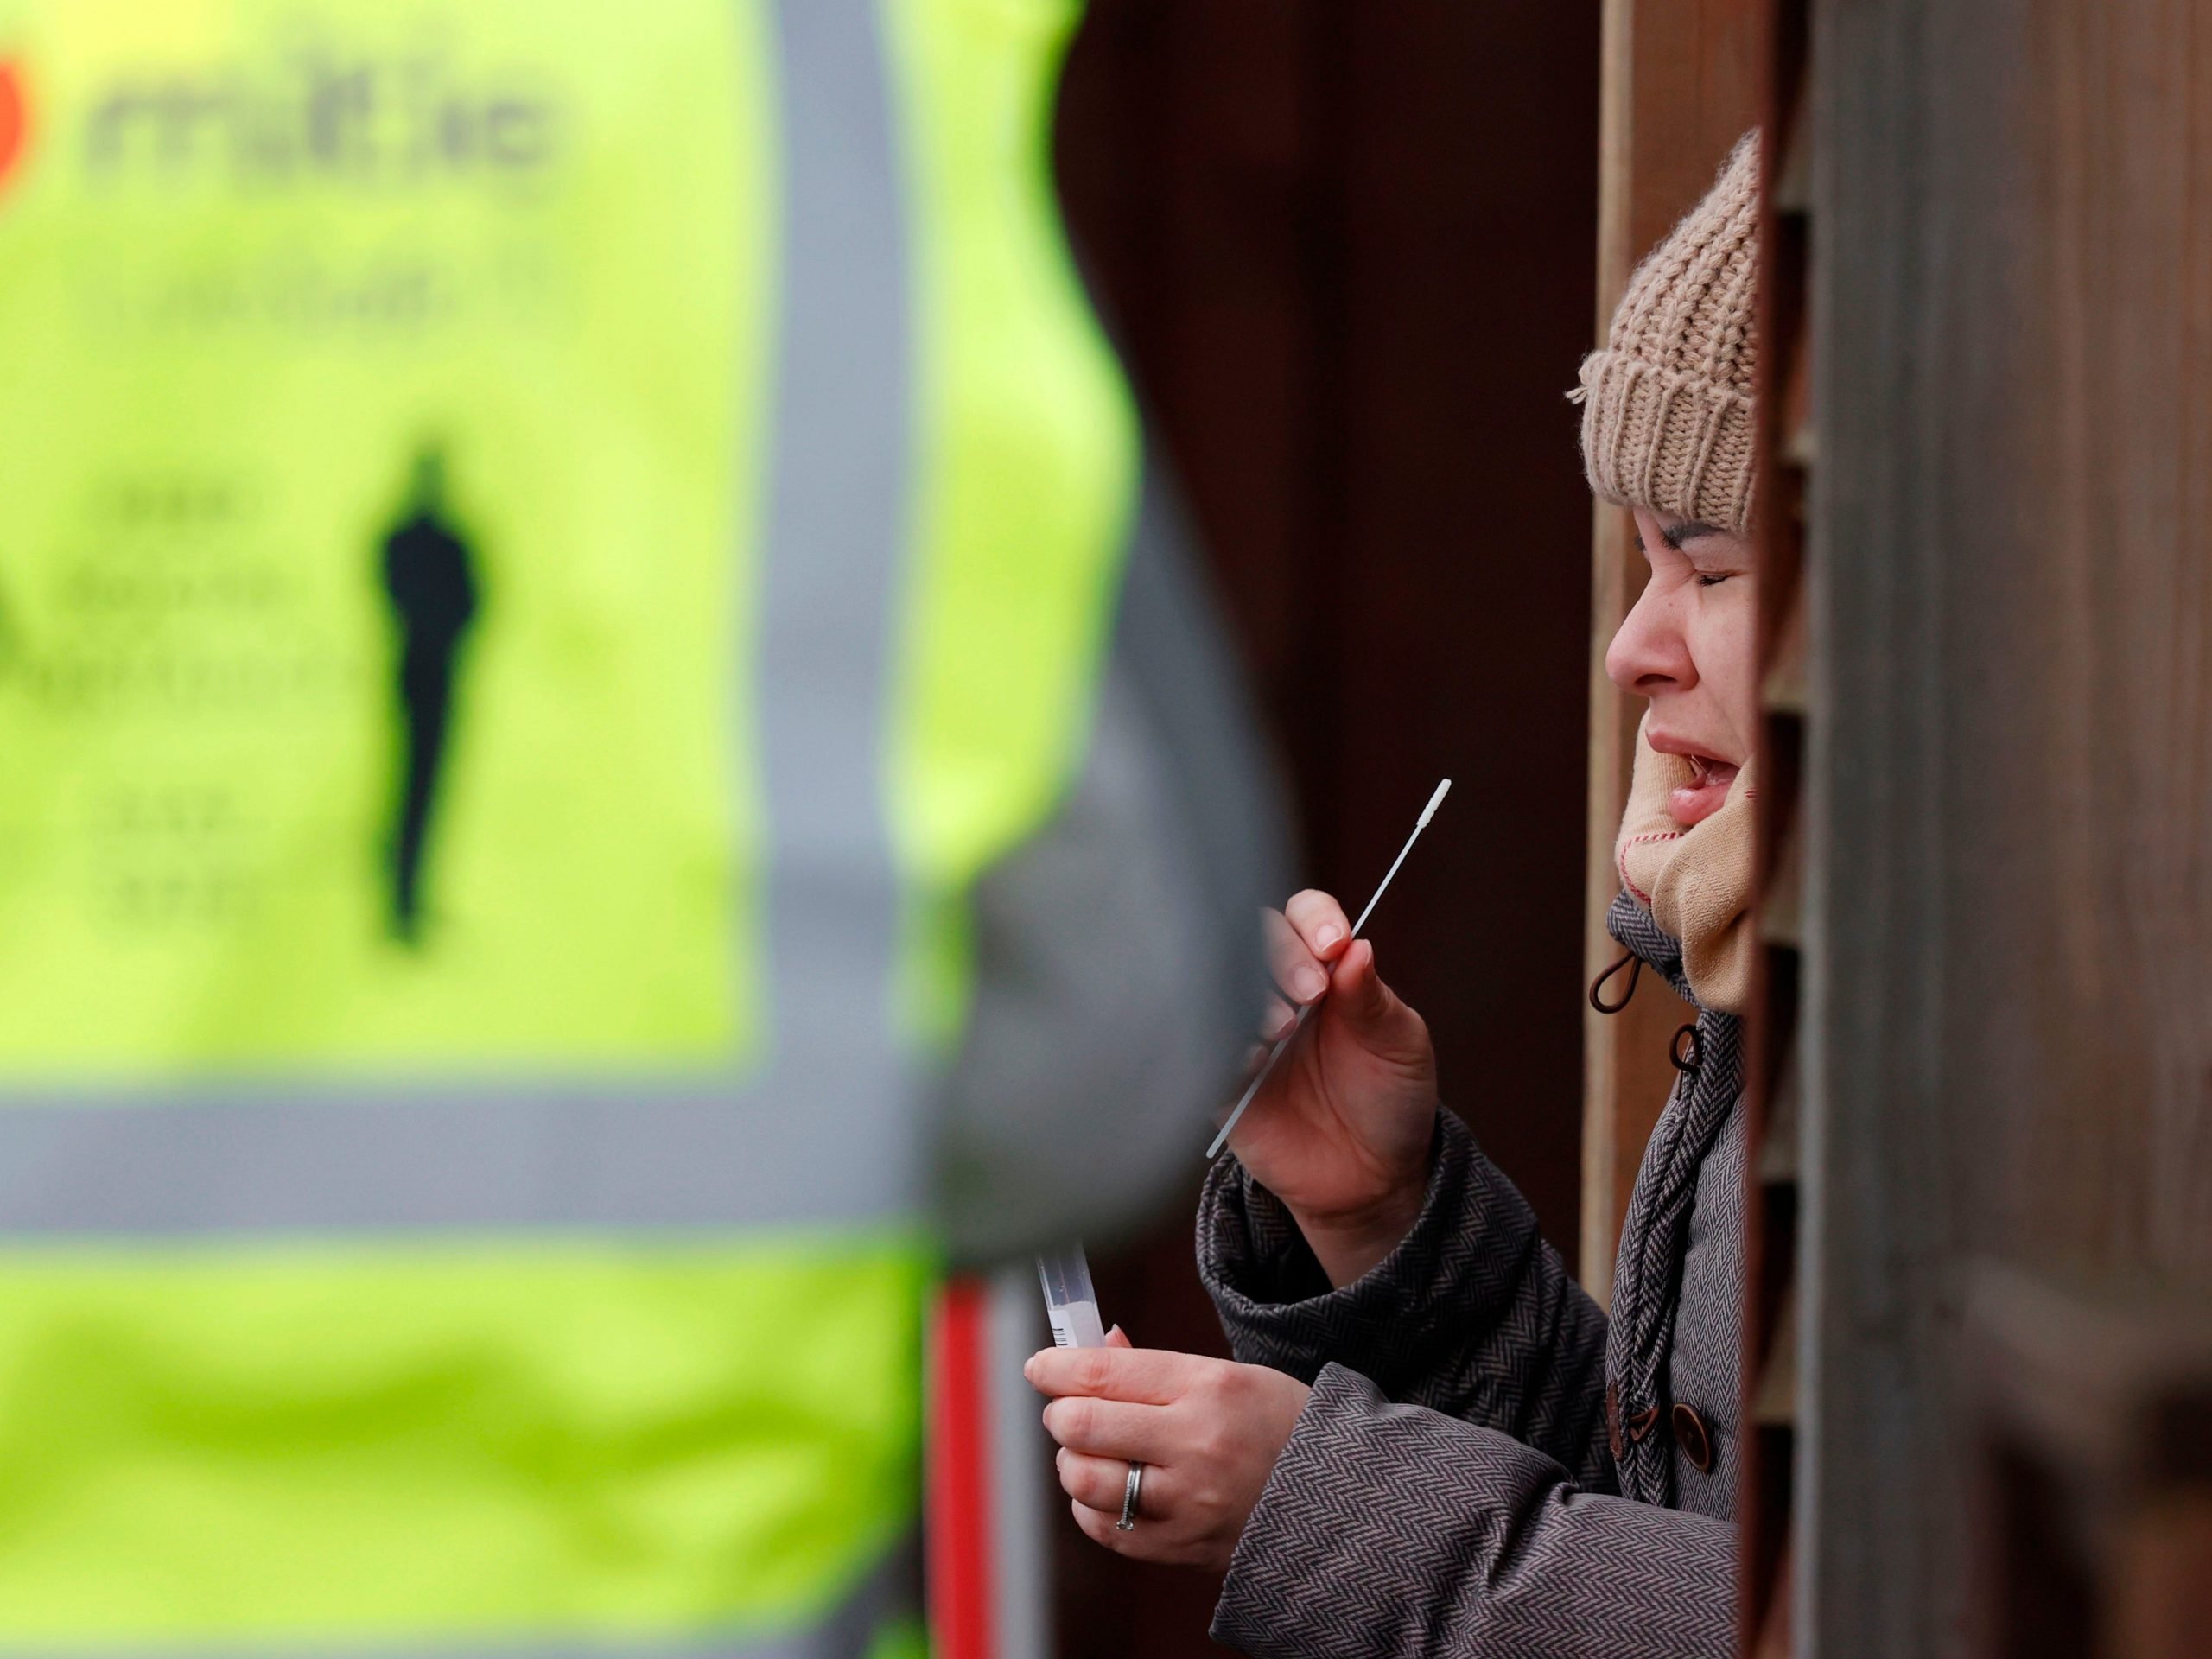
x=1650, y=655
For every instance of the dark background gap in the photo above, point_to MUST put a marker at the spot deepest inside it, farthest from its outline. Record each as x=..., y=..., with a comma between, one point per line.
x=1349, y=254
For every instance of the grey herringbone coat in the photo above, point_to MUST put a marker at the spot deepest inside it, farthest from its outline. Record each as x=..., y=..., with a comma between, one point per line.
x=1483, y=1468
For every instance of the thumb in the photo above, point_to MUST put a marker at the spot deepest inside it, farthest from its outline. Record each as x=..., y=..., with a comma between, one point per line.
x=1118, y=1338
x=1384, y=1025
x=1356, y=991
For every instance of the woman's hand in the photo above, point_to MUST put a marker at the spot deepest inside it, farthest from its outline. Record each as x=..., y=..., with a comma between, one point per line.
x=1341, y=1132
x=1207, y=1432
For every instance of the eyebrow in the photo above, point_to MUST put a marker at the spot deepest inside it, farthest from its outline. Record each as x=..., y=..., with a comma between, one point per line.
x=1675, y=535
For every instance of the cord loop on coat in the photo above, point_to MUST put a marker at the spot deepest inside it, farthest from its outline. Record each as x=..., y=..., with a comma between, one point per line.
x=1598, y=985
x=1688, y=1064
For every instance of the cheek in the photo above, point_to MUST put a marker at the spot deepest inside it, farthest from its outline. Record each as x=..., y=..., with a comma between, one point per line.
x=1725, y=646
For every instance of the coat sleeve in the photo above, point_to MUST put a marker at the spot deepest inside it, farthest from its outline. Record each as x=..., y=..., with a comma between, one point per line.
x=1394, y=1532
x=1473, y=1315
x=1116, y=952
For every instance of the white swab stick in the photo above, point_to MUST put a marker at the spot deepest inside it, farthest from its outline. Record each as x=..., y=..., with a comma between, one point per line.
x=1282, y=1046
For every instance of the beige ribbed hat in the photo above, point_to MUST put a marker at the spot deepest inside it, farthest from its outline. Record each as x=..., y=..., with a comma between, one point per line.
x=1666, y=406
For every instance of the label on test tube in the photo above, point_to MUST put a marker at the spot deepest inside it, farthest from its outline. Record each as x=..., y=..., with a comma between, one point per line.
x=1070, y=1302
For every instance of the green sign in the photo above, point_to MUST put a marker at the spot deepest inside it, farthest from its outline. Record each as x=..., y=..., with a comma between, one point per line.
x=379, y=392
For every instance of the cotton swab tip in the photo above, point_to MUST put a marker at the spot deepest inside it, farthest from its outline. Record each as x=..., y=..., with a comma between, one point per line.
x=1435, y=801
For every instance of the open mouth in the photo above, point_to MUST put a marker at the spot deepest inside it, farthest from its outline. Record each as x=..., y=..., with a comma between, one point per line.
x=1693, y=803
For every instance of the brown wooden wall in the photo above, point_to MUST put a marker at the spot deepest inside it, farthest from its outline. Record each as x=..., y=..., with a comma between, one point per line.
x=1349, y=250
x=2008, y=925
x=1683, y=81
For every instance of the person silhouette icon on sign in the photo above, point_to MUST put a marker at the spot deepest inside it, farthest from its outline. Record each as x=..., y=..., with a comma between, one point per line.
x=430, y=579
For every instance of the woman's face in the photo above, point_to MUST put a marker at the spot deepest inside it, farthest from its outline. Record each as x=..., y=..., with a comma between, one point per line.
x=1688, y=646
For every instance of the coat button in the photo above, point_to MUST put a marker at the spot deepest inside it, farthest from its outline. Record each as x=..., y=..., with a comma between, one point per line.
x=1690, y=1435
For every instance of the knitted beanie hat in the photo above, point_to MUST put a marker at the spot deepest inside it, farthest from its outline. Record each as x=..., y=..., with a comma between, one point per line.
x=1667, y=405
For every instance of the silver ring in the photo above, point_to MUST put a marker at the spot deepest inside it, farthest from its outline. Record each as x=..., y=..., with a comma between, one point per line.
x=1129, y=1493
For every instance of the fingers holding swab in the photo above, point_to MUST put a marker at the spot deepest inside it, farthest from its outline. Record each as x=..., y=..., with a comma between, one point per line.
x=1282, y=1046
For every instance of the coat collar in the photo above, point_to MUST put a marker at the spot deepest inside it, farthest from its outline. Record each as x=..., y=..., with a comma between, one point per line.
x=1633, y=928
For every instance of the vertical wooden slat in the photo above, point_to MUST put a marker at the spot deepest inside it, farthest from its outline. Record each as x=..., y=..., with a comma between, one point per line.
x=2009, y=895
x=2088, y=1436
x=1773, y=1199
x=1682, y=81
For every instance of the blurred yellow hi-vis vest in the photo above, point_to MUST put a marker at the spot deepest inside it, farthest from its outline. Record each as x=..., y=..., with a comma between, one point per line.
x=543, y=545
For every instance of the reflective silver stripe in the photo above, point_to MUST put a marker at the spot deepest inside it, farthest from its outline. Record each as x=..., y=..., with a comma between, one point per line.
x=834, y=583
x=833, y=1642
x=832, y=1129
x=243, y=1162
x=848, y=1632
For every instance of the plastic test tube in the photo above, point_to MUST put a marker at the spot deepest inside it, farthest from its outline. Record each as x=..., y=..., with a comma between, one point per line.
x=1070, y=1302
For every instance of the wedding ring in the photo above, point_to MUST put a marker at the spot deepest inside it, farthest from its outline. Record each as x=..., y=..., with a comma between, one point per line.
x=1129, y=1493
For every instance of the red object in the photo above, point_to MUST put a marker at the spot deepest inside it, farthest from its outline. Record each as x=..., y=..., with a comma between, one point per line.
x=961, y=1589
x=14, y=119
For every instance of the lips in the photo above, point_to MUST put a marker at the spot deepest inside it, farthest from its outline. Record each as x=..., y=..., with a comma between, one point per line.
x=1690, y=804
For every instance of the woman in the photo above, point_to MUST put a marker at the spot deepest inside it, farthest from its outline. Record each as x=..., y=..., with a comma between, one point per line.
x=1435, y=1443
